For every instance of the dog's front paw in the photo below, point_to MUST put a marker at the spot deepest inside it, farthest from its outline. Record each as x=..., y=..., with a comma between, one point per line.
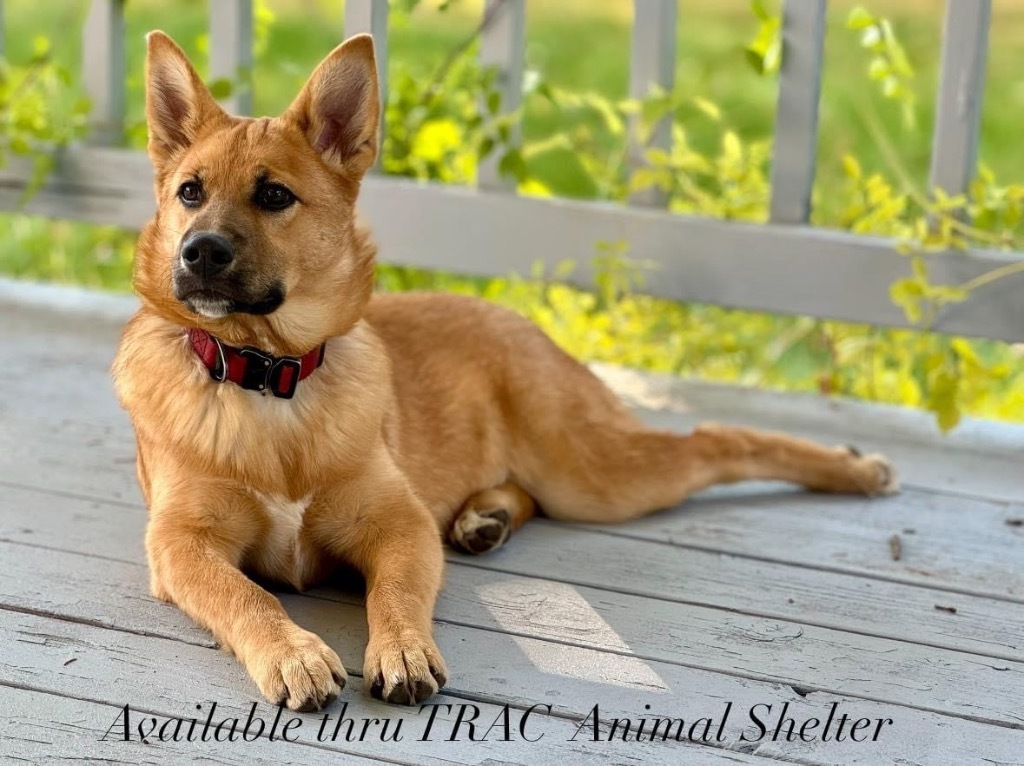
x=404, y=671
x=297, y=669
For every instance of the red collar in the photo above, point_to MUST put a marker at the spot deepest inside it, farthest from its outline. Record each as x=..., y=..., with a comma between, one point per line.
x=252, y=369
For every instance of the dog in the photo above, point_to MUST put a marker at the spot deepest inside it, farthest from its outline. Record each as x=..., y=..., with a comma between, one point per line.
x=289, y=422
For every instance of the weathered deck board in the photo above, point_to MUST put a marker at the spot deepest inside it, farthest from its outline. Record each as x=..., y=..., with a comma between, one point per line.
x=115, y=667
x=580, y=557
x=625, y=626
x=985, y=557
x=836, y=534
x=750, y=594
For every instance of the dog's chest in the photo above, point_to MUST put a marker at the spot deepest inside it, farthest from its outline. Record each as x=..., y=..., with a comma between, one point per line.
x=283, y=553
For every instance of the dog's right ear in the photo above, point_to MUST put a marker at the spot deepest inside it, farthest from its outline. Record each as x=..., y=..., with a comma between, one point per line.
x=178, y=105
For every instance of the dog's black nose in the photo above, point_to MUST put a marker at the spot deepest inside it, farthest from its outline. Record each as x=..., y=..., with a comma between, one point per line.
x=206, y=254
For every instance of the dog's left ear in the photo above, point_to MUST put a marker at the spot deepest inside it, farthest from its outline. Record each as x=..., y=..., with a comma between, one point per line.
x=339, y=107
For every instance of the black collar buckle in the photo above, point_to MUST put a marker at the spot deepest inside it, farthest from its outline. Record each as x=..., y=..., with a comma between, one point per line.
x=263, y=372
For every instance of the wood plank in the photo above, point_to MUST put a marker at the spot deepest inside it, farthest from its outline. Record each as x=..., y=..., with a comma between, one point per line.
x=767, y=589
x=750, y=266
x=113, y=594
x=795, y=144
x=42, y=727
x=116, y=668
x=962, y=545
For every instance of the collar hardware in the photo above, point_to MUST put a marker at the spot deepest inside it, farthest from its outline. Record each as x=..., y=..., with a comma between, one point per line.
x=254, y=369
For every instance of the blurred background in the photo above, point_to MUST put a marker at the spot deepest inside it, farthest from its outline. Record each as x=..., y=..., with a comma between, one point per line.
x=877, y=106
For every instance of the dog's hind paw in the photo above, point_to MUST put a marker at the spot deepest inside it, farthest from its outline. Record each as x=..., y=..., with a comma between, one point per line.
x=887, y=482
x=480, y=531
x=873, y=473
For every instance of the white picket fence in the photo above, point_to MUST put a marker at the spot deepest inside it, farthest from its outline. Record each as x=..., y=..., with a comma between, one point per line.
x=784, y=266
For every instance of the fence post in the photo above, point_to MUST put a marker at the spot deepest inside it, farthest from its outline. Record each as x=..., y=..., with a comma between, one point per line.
x=795, y=147
x=371, y=16
x=231, y=51
x=961, y=86
x=503, y=46
x=652, y=62
x=103, y=70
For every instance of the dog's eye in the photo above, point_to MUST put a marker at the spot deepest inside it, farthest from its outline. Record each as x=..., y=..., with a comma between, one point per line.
x=274, y=197
x=190, y=193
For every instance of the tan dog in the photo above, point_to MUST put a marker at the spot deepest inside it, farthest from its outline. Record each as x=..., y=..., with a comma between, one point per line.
x=410, y=417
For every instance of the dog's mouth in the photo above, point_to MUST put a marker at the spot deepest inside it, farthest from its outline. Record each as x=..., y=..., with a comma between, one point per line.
x=214, y=304
x=208, y=303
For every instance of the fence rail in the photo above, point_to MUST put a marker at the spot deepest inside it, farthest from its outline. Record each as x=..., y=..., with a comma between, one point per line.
x=784, y=266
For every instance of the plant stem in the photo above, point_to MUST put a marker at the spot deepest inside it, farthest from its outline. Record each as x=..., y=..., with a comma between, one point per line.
x=995, y=274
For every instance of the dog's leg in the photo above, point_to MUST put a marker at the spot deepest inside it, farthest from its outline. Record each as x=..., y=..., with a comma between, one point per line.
x=195, y=546
x=487, y=518
x=393, y=540
x=612, y=474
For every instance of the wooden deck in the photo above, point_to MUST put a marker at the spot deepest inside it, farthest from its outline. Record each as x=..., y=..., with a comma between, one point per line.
x=751, y=595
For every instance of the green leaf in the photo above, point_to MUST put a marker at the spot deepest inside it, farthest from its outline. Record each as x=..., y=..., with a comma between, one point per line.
x=645, y=178
x=732, y=147
x=656, y=156
x=851, y=167
x=943, y=397
x=907, y=294
x=19, y=145
x=859, y=18
x=485, y=148
x=40, y=47
x=709, y=108
x=493, y=102
x=221, y=88
x=879, y=69
x=513, y=165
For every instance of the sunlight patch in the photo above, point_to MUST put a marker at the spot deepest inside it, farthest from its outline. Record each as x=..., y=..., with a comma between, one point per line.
x=558, y=612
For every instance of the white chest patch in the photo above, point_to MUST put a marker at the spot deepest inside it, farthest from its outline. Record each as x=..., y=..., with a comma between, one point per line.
x=281, y=554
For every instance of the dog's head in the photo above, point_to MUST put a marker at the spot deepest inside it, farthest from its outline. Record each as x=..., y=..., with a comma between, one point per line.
x=255, y=236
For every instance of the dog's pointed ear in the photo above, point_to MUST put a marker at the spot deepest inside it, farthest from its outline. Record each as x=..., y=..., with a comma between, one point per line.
x=178, y=105
x=338, y=109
